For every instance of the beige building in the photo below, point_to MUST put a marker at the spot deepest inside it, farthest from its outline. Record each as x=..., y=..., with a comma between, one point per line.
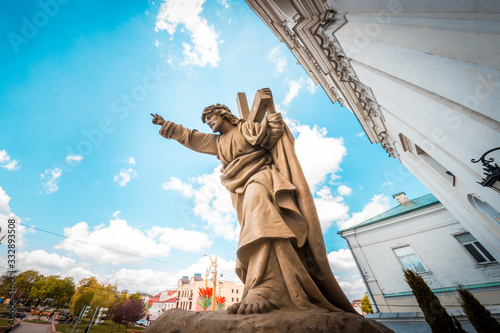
x=187, y=292
x=422, y=78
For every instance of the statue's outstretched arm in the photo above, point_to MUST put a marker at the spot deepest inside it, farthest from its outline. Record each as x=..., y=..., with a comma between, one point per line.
x=192, y=139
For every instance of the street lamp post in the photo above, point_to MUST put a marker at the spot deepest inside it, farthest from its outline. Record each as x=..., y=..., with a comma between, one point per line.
x=214, y=264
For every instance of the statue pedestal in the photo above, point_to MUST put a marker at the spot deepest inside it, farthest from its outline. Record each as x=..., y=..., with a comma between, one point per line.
x=180, y=321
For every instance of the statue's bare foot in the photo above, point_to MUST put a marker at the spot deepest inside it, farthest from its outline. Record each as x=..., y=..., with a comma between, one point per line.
x=251, y=304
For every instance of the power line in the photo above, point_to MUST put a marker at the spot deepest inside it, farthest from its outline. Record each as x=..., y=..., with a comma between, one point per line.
x=102, y=247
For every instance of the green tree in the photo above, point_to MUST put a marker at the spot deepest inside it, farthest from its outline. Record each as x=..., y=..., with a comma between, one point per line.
x=57, y=290
x=82, y=300
x=103, y=295
x=25, y=281
x=4, y=285
x=366, y=306
x=435, y=314
x=479, y=317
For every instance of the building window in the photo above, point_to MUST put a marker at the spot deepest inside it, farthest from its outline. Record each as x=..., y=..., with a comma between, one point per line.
x=475, y=249
x=232, y=299
x=409, y=259
x=190, y=305
x=236, y=290
x=232, y=291
x=237, y=299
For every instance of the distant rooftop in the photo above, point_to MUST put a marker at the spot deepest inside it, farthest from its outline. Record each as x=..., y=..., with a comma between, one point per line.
x=412, y=205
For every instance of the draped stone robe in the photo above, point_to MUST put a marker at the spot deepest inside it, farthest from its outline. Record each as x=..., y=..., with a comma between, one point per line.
x=278, y=244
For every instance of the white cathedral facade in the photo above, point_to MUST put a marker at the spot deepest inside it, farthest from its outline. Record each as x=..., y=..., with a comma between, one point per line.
x=423, y=80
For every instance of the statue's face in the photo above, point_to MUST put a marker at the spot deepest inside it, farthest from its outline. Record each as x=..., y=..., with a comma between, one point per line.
x=215, y=121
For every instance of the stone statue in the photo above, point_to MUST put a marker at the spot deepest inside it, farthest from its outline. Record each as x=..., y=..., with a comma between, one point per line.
x=281, y=256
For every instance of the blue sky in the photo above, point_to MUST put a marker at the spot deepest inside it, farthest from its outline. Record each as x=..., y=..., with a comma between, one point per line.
x=79, y=156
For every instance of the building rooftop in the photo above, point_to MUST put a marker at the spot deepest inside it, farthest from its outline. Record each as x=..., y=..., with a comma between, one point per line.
x=412, y=205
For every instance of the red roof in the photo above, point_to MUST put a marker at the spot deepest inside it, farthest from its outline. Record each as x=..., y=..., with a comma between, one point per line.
x=156, y=298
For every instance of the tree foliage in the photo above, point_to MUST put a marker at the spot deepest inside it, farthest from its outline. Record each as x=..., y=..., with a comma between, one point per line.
x=90, y=292
x=83, y=299
x=366, y=306
x=25, y=281
x=479, y=317
x=57, y=290
x=435, y=314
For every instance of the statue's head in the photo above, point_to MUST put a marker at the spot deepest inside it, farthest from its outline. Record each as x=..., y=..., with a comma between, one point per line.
x=221, y=110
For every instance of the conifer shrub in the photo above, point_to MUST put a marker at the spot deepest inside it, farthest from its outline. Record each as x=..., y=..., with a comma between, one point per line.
x=479, y=317
x=435, y=314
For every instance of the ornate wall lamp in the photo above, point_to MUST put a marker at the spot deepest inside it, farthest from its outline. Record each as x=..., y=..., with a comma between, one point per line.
x=492, y=172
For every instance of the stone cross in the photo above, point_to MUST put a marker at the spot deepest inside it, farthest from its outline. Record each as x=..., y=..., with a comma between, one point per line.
x=262, y=103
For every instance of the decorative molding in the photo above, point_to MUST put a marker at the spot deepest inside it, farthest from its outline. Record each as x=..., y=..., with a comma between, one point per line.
x=342, y=66
x=291, y=34
x=388, y=144
x=308, y=31
x=314, y=62
x=337, y=96
x=340, y=61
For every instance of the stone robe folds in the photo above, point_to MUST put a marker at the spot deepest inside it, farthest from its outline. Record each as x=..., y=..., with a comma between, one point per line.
x=281, y=253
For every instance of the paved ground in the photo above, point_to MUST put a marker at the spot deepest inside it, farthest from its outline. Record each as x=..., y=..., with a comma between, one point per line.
x=26, y=327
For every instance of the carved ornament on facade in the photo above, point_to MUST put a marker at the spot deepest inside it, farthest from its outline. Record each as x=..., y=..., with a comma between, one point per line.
x=291, y=34
x=337, y=95
x=342, y=66
x=314, y=62
x=388, y=144
x=345, y=72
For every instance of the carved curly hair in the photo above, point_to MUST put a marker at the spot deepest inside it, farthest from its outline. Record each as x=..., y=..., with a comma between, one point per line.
x=222, y=111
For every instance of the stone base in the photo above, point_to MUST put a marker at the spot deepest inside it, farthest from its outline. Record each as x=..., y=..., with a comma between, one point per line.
x=277, y=321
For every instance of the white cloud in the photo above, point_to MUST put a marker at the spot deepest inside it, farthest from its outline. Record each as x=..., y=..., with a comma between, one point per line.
x=149, y=280
x=294, y=87
x=225, y=267
x=4, y=204
x=177, y=185
x=157, y=43
x=277, y=57
x=6, y=162
x=353, y=286
x=212, y=203
x=43, y=259
x=377, y=205
x=74, y=158
x=342, y=261
x=205, y=43
x=124, y=176
x=320, y=156
x=130, y=160
x=347, y=274
x=50, y=185
x=387, y=183
x=146, y=280
x=94, y=244
x=5, y=215
x=329, y=208
x=118, y=212
x=360, y=134
x=77, y=273
x=344, y=190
